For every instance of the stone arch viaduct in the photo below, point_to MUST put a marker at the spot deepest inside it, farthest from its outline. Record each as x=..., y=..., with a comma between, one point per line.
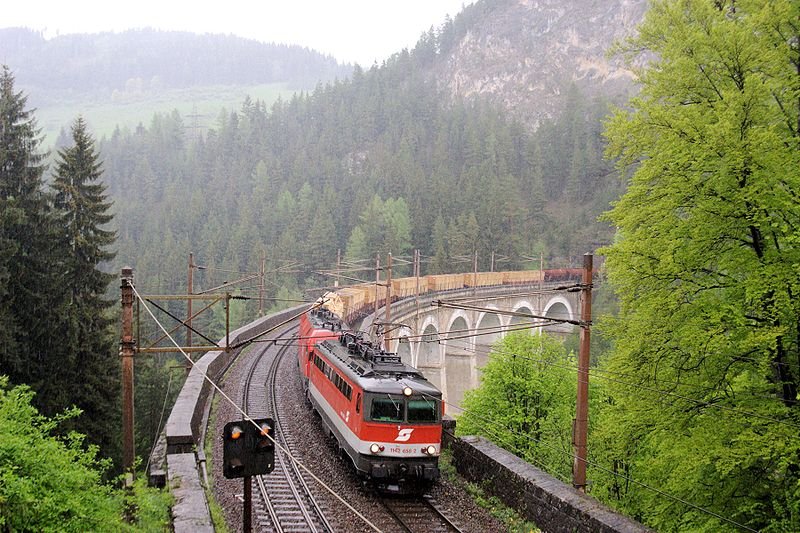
x=448, y=336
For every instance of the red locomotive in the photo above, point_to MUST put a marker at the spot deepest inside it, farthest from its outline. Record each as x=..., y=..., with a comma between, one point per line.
x=316, y=325
x=383, y=413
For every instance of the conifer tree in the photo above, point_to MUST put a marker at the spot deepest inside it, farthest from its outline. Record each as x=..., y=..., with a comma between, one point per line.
x=27, y=293
x=88, y=342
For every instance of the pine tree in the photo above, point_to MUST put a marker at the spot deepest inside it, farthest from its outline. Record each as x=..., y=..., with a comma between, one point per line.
x=88, y=339
x=27, y=294
x=441, y=254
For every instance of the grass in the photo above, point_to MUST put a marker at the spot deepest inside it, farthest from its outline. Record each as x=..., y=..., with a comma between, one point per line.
x=199, y=107
x=512, y=520
x=150, y=506
x=217, y=516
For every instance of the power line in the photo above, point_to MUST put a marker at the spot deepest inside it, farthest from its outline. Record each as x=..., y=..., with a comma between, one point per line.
x=609, y=471
x=593, y=372
x=249, y=418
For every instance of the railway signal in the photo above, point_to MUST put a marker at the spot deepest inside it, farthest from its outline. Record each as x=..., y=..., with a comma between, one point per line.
x=248, y=449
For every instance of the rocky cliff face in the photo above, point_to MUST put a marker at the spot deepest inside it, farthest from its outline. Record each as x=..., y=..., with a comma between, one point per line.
x=526, y=54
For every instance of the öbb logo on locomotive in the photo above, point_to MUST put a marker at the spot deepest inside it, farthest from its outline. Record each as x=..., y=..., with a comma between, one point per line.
x=404, y=434
x=387, y=401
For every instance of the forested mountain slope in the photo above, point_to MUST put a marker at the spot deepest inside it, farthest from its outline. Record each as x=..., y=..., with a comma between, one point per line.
x=526, y=54
x=384, y=162
x=96, y=64
x=389, y=159
x=122, y=79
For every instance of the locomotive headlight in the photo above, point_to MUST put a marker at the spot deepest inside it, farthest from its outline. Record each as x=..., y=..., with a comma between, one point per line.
x=374, y=448
x=407, y=391
x=430, y=450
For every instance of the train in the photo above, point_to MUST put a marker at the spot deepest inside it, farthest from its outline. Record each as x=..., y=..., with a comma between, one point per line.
x=352, y=303
x=383, y=414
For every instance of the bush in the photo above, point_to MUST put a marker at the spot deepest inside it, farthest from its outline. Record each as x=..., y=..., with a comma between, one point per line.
x=50, y=483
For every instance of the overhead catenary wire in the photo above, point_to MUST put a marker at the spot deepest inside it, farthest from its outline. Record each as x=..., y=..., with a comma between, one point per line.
x=454, y=300
x=589, y=462
x=469, y=333
x=160, y=422
x=250, y=419
x=599, y=374
x=614, y=473
x=702, y=403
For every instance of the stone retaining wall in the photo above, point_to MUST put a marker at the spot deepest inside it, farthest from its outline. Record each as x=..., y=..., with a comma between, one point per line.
x=184, y=429
x=544, y=500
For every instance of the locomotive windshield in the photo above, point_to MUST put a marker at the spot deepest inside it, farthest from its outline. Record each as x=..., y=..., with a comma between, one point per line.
x=388, y=408
x=422, y=410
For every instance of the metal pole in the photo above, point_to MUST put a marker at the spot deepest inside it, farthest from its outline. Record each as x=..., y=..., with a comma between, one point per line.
x=247, y=506
x=190, y=291
x=261, y=284
x=377, y=282
x=416, y=301
x=492, y=267
x=388, y=306
x=540, y=295
x=582, y=402
x=475, y=272
x=338, y=266
x=127, y=347
x=227, y=321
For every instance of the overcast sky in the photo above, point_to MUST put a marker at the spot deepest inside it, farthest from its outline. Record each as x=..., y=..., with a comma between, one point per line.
x=358, y=31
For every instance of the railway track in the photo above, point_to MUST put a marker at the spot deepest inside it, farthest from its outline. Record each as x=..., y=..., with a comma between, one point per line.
x=419, y=515
x=283, y=500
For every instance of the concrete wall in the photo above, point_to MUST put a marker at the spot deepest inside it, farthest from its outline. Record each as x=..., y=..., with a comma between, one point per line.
x=184, y=431
x=544, y=500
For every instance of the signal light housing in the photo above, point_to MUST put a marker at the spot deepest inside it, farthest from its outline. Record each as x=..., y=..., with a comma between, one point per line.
x=248, y=450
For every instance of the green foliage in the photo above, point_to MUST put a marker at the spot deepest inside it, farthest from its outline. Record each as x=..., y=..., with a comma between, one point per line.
x=53, y=309
x=88, y=352
x=47, y=483
x=158, y=379
x=604, y=304
x=151, y=507
x=705, y=268
x=27, y=240
x=357, y=245
x=52, y=483
x=526, y=401
x=498, y=509
x=233, y=317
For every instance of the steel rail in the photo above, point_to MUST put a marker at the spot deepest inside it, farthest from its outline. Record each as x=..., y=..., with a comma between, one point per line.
x=286, y=478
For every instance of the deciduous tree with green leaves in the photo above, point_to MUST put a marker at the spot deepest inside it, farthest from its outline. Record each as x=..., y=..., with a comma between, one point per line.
x=55, y=484
x=526, y=401
x=706, y=269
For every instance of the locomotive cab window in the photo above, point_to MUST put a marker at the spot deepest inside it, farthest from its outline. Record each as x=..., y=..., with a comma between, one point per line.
x=422, y=410
x=387, y=409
